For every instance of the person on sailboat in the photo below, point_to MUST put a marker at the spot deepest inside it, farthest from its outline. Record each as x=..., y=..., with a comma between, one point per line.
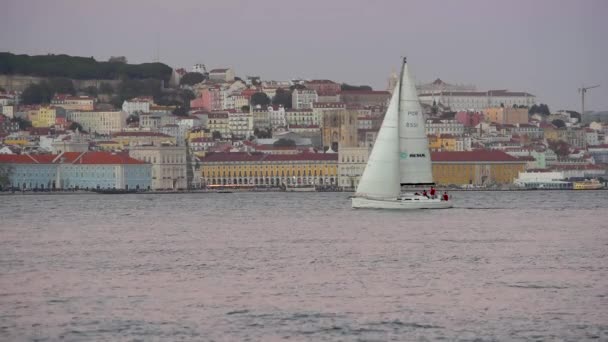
x=445, y=196
x=432, y=192
x=425, y=194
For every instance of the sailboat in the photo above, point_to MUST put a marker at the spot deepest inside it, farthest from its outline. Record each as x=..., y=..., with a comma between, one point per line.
x=400, y=156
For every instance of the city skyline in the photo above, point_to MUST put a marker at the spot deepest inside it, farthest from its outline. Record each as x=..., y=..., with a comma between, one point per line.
x=546, y=48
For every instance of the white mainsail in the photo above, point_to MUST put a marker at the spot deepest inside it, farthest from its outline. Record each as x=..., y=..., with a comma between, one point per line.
x=380, y=178
x=414, y=155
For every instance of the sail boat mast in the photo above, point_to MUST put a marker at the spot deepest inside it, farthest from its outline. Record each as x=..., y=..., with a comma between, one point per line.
x=401, y=83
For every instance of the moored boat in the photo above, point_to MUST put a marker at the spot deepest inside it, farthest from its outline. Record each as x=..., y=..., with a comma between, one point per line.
x=589, y=184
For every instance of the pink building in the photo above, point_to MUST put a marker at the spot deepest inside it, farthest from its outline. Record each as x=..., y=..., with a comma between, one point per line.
x=469, y=119
x=208, y=100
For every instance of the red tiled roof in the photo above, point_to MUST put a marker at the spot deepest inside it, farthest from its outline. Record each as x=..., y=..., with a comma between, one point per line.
x=106, y=158
x=70, y=158
x=329, y=105
x=218, y=115
x=258, y=156
x=24, y=159
x=473, y=156
x=577, y=167
x=479, y=93
x=63, y=97
x=365, y=92
x=320, y=82
x=140, y=134
x=303, y=126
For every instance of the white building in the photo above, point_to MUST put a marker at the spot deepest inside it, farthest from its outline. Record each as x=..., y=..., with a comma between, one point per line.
x=101, y=122
x=299, y=117
x=168, y=165
x=7, y=99
x=240, y=124
x=351, y=163
x=277, y=117
x=303, y=98
x=261, y=118
x=592, y=137
x=137, y=105
x=8, y=111
x=223, y=75
x=436, y=126
x=463, y=143
x=200, y=68
x=477, y=100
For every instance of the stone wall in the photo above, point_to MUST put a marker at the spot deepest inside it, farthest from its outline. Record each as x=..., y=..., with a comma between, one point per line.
x=20, y=82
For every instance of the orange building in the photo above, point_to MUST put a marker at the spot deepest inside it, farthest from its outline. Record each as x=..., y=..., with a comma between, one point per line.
x=480, y=167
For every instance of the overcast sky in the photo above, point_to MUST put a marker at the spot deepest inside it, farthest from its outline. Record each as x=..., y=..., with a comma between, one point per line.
x=546, y=47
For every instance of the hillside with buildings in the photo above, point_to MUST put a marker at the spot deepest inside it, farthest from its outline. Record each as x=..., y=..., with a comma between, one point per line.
x=203, y=128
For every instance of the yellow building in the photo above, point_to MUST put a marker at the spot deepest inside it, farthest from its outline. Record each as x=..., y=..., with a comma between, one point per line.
x=552, y=133
x=109, y=145
x=142, y=138
x=16, y=141
x=218, y=121
x=506, y=115
x=199, y=133
x=76, y=103
x=261, y=169
x=475, y=167
x=339, y=128
x=44, y=117
x=442, y=142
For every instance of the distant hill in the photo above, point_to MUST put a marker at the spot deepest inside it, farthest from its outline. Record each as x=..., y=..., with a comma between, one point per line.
x=79, y=68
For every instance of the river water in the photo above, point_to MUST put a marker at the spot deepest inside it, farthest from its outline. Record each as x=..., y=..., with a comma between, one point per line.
x=303, y=267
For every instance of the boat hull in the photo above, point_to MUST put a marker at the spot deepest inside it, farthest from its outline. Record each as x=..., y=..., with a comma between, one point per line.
x=302, y=189
x=400, y=204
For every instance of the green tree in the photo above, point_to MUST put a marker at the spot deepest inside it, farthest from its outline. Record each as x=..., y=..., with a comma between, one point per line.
x=297, y=86
x=37, y=94
x=542, y=109
x=260, y=98
x=132, y=118
x=282, y=97
x=79, y=67
x=262, y=133
x=118, y=59
x=23, y=123
x=558, y=123
x=216, y=135
x=180, y=111
x=91, y=91
x=106, y=88
x=560, y=147
x=62, y=85
x=5, y=176
x=284, y=142
x=76, y=126
x=192, y=78
x=345, y=86
x=245, y=109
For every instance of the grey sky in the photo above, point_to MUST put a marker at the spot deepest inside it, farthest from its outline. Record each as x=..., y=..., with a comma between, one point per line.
x=546, y=47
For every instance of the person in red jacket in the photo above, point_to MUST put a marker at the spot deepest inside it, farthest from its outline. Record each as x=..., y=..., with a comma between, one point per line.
x=432, y=192
x=445, y=196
